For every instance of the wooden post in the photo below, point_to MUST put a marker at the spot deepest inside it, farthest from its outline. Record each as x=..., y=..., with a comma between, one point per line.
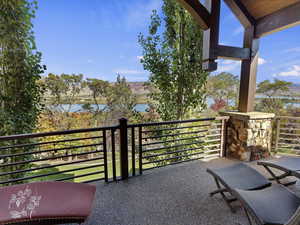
x=211, y=36
x=123, y=148
x=248, y=72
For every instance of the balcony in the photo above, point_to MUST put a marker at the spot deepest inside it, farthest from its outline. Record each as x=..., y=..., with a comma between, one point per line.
x=152, y=173
x=172, y=195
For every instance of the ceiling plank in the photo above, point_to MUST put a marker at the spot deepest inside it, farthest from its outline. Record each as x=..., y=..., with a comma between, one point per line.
x=241, y=12
x=198, y=11
x=279, y=20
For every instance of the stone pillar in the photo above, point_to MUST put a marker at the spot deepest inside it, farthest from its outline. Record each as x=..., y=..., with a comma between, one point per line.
x=249, y=135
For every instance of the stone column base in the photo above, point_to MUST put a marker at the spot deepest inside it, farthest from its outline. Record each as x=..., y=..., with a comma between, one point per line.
x=249, y=135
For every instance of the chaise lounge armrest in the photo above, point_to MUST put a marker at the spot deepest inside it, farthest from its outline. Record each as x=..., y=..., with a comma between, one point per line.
x=46, y=203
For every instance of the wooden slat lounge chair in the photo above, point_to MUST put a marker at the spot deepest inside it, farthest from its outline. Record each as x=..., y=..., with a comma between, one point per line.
x=290, y=166
x=237, y=176
x=275, y=205
x=45, y=203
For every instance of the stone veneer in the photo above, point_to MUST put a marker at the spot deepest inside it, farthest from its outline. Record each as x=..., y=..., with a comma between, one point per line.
x=249, y=135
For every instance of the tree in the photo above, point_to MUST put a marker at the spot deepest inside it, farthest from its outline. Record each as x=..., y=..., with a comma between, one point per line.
x=121, y=101
x=173, y=57
x=272, y=91
x=100, y=90
x=20, y=69
x=62, y=92
x=223, y=88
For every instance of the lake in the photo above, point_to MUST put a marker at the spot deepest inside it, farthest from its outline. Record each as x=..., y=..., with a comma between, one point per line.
x=78, y=107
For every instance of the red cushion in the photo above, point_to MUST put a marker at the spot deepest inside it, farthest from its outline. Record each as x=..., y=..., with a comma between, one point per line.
x=45, y=200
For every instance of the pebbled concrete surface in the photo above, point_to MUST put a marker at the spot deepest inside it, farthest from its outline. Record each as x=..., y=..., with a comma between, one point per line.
x=175, y=195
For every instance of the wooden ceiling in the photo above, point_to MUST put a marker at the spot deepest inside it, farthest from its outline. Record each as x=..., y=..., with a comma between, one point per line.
x=262, y=8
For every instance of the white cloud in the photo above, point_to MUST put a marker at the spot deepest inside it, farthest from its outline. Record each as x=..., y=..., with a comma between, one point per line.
x=261, y=61
x=296, y=49
x=90, y=61
x=128, y=72
x=228, y=66
x=294, y=71
x=139, y=57
x=238, y=30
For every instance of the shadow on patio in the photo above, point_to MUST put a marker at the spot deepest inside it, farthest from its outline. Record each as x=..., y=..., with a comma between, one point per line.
x=171, y=195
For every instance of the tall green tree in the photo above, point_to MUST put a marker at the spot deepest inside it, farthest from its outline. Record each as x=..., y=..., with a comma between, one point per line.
x=172, y=53
x=62, y=92
x=20, y=68
x=223, y=87
x=272, y=91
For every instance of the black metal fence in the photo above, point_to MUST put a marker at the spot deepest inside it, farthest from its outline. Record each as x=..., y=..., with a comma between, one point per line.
x=108, y=153
x=287, y=135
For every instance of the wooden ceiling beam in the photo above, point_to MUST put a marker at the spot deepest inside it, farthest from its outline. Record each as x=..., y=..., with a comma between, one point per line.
x=233, y=53
x=279, y=20
x=198, y=11
x=241, y=12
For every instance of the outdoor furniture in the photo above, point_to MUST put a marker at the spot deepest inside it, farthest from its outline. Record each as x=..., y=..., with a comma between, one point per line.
x=45, y=203
x=237, y=176
x=275, y=205
x=290, y=166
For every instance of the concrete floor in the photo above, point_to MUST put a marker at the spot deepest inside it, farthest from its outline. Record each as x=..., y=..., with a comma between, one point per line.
x=177, y=195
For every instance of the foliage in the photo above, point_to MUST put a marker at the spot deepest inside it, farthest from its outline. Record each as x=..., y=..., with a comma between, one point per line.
x=223, y=88
x=121, y=101
x=20, y=69
x=64, y=90
x=272, y=91
x=173, y=57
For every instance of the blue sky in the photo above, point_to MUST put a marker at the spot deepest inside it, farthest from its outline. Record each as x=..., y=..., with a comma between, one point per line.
x=98, y=38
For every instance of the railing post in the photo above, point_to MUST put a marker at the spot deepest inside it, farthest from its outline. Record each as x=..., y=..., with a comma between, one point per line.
x=123, y=148
x=223, y=137
x=277, y=133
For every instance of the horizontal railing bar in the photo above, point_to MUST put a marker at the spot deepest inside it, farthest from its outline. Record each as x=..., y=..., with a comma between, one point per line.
x=214, y=140
x=47, y=174
x=94, y=180
x=174, y=140
x=175, y=157
x=50, y=150
x=288, y=117
x=289, y=144
x=174, y=135
x=210, y=146
x=173, y=152
x=289, y=134
x=289, y=139
x=175, y=128
x=48, y=142
x=174, y=146
x=83, y=175
x=45, y=159
x=297, y=125
x=55, y=133
x=289, y=129
x=213, y=135
x=52, y=166
x=176, y=122
x=173, y=163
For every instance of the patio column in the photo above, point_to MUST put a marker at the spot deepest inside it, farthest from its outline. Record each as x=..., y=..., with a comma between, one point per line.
x=249, y=135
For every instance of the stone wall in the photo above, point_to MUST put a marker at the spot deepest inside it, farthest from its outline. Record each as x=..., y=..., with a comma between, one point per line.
x=249, y=135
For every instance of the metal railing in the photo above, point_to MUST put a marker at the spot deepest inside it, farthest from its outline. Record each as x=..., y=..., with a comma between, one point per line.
x=287, y=138
x=108, y=153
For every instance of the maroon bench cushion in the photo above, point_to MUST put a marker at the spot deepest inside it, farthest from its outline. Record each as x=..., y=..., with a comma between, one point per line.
x=45, y=201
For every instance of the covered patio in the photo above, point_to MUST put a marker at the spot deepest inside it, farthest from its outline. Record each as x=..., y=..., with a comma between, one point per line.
x=172, y=195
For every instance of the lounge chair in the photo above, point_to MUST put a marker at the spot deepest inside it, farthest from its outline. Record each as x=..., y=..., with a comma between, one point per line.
x=45, y=203
x=237, y=176
x=275, y=205
x=290, y=166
